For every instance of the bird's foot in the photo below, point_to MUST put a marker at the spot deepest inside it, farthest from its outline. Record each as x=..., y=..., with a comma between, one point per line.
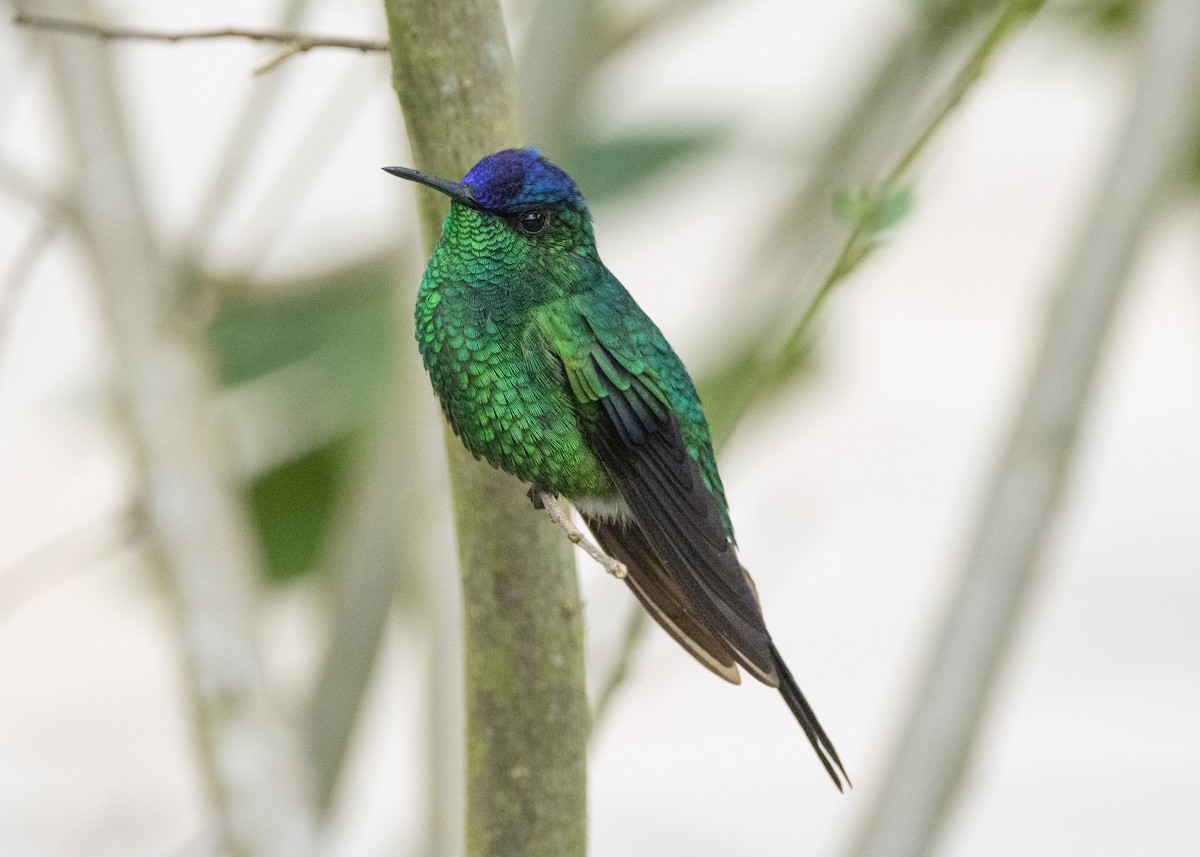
x=535, y=495
x=543, y=500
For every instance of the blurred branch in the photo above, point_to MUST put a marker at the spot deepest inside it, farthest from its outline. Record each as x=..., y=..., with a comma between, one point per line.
x=14, y=181
x=935, y=746
x=878, y=208
x=365, y=561
x=526, y=703
x=380, y=538
x=636, y=625
x=66, y=555
x=294, y=42
x=647, y=22
x=255, y=114
x=54, y=213
x=195, y=525
x=566, y=46
x=328, y=124
x=558, y=60
x=810, y=243
x=12, y=286
x=876, y=125
x=392, y=524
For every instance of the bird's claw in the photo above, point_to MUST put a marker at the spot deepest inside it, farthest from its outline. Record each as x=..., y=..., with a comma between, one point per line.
x=544, y=500
x=535, y=495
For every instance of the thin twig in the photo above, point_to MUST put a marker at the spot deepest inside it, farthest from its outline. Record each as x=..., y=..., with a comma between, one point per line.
x=548, y=502
x=806, y=241
x=14, y=181
x=281, y=56
x=295, y=42
x=853, y=252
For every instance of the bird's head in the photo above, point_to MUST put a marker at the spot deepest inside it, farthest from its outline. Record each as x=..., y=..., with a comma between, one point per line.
x=534, y=199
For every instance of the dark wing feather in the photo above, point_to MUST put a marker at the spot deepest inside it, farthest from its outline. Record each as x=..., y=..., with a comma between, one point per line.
x=656, y=588
x=640, y=445
x=682, y=565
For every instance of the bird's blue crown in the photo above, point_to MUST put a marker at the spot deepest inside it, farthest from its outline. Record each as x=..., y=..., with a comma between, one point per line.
x=520, y=179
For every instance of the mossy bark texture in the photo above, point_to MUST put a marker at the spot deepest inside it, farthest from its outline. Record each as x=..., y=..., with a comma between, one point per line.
x=527, y=715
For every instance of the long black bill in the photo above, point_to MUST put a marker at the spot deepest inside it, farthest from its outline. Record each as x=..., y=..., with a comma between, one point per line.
x=455, y=190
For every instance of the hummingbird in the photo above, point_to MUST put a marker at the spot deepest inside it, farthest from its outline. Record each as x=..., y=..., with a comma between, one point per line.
x=546, y=367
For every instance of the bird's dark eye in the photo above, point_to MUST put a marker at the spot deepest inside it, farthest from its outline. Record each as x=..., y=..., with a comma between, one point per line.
x=532, y=222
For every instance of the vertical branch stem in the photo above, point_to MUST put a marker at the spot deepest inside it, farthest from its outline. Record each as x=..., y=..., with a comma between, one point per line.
x=527, y=717
x=935, y=745
x=366, y=561
x=195, y=523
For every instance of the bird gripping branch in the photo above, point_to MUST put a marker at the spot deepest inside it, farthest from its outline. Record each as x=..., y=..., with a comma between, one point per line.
x=546, y=367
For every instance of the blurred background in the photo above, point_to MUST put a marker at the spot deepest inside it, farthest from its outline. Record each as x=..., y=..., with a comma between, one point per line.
x=849, y=218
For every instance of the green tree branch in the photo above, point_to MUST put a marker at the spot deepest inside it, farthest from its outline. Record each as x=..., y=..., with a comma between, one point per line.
x=527, y=717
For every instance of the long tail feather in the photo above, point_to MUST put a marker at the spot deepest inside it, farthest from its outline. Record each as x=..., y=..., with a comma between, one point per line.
x=809, y=723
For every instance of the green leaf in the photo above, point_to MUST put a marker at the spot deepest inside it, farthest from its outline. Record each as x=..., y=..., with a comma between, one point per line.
x=292, y=508
x=891, y=210
x=1106, y=18
x=862, y=208
x=344, y=320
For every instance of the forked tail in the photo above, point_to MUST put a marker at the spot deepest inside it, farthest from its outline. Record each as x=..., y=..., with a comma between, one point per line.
x=809, y=723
